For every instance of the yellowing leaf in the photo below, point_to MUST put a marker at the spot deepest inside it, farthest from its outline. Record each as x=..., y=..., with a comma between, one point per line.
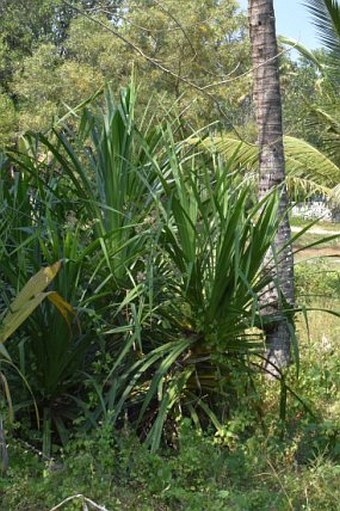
x=13, y=320
x=36, y=285
x=28, y=300
x=65, y=308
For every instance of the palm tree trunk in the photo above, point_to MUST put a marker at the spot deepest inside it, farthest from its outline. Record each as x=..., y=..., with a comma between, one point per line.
x=272, y=174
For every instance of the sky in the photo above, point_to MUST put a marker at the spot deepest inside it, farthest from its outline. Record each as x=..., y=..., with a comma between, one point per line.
x=293, y=20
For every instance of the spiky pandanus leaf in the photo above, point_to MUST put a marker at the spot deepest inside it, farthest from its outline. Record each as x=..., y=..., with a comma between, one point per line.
x=214, y=245
x=88, y=203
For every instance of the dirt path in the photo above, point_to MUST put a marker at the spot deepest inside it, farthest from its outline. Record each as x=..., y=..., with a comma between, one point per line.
x=307, y=253
x=319, y=251
x=315, y=230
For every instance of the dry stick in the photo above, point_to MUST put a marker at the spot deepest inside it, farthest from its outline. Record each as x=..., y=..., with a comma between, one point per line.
x=137, y=49
x=94, y=506
x=154, y=62
x=181, y=27
x=146, y=29
x=3, y=450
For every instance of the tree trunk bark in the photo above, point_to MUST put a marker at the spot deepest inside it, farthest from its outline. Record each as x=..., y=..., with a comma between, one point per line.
x=280, y=296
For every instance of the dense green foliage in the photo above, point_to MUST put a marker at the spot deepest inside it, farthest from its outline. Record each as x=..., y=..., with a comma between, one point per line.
x=159, y=324
x=131, y=365
x=54, y=53
x=162, y=266
x=63, y=54
x=201, y=476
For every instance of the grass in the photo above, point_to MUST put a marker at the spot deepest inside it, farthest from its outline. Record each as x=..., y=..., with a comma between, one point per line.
x=316, y=234
x=201, y=475
x=321, y=224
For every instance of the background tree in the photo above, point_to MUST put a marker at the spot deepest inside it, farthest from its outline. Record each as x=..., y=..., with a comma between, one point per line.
x=192, y=57
x=301, y=85
x=204, y=47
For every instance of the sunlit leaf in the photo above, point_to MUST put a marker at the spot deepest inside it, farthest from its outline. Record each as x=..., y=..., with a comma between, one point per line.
x=35, y=285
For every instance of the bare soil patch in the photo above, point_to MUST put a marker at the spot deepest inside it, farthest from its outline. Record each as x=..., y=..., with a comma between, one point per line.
x=319, y=252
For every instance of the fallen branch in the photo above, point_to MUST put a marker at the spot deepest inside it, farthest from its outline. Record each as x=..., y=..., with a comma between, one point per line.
x=88, y=504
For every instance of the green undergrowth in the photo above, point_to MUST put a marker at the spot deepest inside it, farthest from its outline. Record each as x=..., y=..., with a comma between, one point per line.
x=255, y=463
x=317, y=279
x=199, y=473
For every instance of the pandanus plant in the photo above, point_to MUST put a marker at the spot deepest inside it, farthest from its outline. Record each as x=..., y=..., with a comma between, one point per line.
x=81, y=198
x=211, y=249
x=162, y=254
x=50, y=346
x=21, y=308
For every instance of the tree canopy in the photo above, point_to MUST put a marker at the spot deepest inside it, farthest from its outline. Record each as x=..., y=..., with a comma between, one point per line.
x=193, y=55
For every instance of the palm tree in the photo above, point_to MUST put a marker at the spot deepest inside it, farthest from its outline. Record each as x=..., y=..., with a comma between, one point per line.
x=267, y=98
x=326, y=19
x=308, y=170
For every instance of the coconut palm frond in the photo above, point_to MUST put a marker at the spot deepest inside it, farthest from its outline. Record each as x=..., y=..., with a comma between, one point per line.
x=237, y=152
x=305, y=52
x=298, y=186
x=307, y=167
x=304, y=160
x=335, y=194
x=330, y=121
x=326, y=19
x=327, y=117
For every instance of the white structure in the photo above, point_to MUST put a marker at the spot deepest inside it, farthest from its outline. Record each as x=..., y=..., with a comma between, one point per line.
x=313, y=209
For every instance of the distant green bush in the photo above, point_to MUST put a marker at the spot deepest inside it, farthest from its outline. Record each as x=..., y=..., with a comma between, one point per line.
x=317, y=279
